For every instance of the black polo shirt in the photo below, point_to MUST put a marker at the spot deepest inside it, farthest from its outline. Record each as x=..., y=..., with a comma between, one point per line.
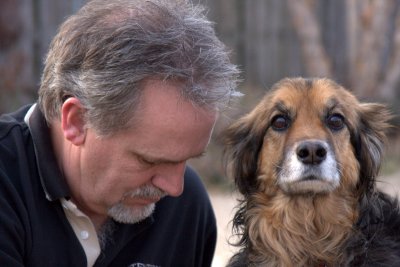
x=34, y=230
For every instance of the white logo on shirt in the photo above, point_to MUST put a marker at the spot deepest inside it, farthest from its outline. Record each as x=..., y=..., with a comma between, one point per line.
x=138, y=264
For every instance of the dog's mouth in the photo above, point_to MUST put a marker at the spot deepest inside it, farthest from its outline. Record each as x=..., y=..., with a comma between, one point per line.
x=310, y=178
x=309, y=184
x=314, y=180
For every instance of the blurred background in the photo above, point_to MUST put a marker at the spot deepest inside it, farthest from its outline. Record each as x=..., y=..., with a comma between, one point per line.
x=355, y=42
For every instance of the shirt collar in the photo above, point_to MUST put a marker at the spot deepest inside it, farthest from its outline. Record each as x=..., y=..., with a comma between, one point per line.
x=51, y=177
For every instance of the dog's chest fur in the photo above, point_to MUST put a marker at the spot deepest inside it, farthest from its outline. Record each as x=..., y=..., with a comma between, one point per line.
x=300, y=234
x=309, y=230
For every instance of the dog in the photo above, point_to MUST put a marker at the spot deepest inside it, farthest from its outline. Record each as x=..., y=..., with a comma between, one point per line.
x=305, y=161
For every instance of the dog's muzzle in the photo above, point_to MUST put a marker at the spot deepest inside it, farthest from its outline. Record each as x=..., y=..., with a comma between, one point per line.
x=309, y=167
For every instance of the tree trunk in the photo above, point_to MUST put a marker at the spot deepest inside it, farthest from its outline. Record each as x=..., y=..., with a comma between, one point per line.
x=374, y=28
x=309, y=33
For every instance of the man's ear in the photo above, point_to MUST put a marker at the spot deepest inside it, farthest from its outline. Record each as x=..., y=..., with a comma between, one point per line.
x=72, y=121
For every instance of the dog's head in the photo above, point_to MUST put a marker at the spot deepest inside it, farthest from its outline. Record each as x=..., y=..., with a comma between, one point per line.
x=307, y=136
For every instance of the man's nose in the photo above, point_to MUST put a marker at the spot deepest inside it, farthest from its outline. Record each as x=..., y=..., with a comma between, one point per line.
x=169, y=178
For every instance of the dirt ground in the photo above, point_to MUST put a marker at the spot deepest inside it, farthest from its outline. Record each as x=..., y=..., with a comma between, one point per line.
x=224, y=204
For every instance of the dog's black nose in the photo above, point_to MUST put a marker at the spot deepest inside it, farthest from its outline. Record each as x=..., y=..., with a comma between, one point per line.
x=311, y=152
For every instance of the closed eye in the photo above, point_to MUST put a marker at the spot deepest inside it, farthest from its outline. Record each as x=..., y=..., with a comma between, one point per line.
x=146, y=162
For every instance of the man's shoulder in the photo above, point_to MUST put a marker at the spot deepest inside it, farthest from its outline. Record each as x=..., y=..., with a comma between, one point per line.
x=10, y=121
x=194, y=198
x=193, y=183
x=14, y=133
x=195, y=191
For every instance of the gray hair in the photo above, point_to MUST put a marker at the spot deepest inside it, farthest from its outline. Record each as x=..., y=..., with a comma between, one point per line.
x=104, y=53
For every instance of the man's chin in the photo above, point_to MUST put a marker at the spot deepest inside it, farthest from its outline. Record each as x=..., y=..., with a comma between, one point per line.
x=130, y=214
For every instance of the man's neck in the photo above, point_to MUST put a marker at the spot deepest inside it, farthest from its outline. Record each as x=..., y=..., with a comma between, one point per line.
x=67, y=162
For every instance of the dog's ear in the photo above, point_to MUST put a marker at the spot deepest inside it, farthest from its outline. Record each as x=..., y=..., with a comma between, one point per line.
x=243, y=141
x=369, y=141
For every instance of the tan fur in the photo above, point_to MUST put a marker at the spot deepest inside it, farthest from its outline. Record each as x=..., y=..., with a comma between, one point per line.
x=299, y=231
x=285, y=229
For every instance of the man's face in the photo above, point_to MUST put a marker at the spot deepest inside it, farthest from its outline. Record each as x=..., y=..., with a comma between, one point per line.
x=123, y=175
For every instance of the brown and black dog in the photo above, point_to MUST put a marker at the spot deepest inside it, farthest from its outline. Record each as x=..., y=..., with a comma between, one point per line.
x=305, y=160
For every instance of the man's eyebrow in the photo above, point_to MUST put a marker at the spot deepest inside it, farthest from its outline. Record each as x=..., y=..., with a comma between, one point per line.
x=158, y=160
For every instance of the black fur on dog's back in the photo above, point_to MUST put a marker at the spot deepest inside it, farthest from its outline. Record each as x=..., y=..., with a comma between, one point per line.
x=378, y=240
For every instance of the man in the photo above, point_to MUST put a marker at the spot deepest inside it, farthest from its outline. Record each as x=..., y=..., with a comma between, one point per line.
x=95, y=173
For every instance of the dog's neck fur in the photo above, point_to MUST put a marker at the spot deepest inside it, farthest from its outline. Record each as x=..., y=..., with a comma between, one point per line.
x=299, y=230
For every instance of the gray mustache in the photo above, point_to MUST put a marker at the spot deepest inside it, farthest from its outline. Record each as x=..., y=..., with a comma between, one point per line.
x=146, y=191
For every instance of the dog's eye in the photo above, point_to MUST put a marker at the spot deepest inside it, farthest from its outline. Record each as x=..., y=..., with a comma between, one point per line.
x=280, y=123
x=335, y=122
